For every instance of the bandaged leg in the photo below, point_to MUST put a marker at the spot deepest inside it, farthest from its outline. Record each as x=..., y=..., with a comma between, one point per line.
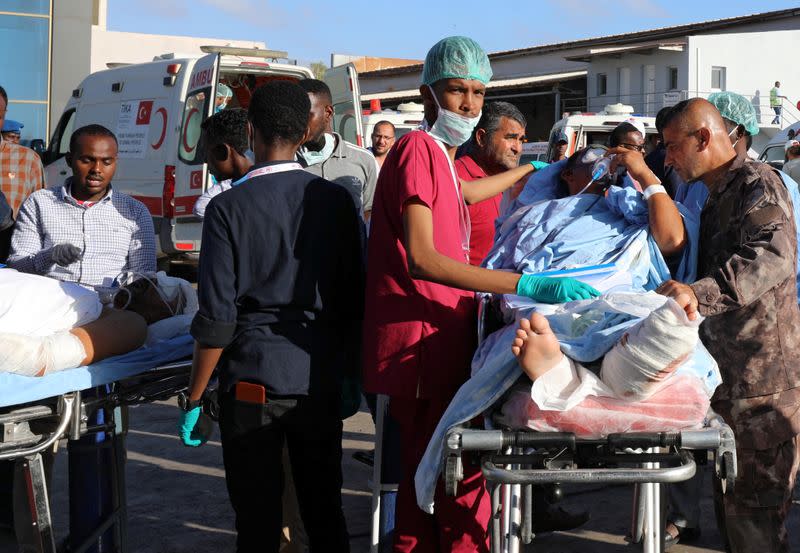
x=38, y=355
x=650, y=352
x=114, y=333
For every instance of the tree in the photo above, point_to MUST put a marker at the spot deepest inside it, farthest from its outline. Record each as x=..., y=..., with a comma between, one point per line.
x=318, y=69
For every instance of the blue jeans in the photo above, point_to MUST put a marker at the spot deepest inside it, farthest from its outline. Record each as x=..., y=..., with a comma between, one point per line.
x=777, y=119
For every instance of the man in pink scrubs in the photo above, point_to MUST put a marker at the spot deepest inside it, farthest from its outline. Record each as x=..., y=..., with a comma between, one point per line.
x=419, y=324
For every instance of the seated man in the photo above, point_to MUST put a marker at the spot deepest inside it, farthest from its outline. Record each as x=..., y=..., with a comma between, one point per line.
x=569, y=218
x=47, y=325
x=83, y=231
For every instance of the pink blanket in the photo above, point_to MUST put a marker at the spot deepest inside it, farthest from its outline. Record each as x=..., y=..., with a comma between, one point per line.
x=682, y=404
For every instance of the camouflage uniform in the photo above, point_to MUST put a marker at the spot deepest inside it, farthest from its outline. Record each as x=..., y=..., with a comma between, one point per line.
x=747, y=289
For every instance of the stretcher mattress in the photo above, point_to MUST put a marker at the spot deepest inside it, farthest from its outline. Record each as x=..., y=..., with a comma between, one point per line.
x=16, y=389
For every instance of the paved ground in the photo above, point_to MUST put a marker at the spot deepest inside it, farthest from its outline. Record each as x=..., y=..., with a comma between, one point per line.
x=178, y=504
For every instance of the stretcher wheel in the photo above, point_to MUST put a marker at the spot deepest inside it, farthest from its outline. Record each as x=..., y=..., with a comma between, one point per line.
x=453, y=474
x=728, y=472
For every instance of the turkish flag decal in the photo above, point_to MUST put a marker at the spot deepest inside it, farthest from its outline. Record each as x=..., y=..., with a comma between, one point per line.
x=143, y=115
x=196, y=180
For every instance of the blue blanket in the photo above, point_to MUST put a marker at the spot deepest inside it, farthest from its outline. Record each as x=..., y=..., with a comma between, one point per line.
x=539, y=233
x=16, y=389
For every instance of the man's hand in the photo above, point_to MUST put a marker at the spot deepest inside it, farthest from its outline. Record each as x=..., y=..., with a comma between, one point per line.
x=65, y=254
x=634, y=162
x=683, y=294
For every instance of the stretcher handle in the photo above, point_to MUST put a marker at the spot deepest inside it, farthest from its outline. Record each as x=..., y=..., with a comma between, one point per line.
x=66, y=403
x=636, y=475
x=644, y=440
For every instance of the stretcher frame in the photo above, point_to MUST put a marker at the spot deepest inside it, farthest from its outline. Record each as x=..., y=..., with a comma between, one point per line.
x=29, y=430
x=513, y=461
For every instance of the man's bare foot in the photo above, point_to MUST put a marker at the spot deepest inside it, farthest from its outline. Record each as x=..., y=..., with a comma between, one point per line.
x=536, y=347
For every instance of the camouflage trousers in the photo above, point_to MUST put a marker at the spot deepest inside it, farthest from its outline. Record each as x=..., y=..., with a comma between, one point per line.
x=752, y=517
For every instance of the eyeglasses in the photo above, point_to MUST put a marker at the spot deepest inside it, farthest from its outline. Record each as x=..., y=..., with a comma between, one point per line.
x=633, y=147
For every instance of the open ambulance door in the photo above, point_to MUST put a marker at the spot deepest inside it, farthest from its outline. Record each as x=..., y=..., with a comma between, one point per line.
x=343, y=82
x=190, y=173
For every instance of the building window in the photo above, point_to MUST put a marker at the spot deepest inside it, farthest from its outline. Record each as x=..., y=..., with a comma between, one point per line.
x=602, y=84
x=718, y=78
x=672, y=78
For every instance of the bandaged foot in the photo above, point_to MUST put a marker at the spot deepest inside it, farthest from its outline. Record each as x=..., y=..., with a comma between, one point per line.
x=536, y=347
x=651, y=351
x=39, y=355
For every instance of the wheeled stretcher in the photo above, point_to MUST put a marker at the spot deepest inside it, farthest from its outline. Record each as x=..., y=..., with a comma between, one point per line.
x=84, y=405
x=514, y=461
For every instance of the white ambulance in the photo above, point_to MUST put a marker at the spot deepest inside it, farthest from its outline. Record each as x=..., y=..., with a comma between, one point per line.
x=156, y=109
x=583, y=129
x=406, y=118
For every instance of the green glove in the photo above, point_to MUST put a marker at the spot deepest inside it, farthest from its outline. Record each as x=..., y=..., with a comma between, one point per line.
x=187, y=428
x=554, y=290
x=539, y=164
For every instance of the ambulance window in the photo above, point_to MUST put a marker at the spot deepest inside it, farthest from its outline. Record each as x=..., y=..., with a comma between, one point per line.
x=59, y=145
x=194, y=113
x=344, y=123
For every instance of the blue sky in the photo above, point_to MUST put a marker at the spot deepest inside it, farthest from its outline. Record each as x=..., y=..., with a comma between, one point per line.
x=311, y=30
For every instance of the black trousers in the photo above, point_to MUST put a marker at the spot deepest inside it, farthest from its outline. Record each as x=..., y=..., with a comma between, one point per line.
x=252, y=443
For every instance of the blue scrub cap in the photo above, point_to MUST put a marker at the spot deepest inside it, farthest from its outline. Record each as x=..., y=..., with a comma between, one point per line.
x=736, y=108
x=456, y=57
x=9, y=125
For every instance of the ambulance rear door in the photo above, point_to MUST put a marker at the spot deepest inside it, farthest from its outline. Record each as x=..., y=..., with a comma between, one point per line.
x=183, y=228
x=343, y=82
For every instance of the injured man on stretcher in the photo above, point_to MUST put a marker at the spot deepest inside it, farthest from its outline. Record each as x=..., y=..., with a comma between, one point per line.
x=47, y=325
x=627, y=360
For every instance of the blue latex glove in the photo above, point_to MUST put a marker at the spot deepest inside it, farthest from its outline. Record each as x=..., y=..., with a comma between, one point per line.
x=189, y=434
x=554, y=290
x=539, y=164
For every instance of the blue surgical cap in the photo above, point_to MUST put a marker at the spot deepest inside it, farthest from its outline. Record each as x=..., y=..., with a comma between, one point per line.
x=9, y=125
x=736, y=108
x=456, y=57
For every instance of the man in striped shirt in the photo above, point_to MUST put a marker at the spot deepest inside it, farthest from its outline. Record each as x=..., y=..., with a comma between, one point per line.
x=83, y=231
x=20, y=168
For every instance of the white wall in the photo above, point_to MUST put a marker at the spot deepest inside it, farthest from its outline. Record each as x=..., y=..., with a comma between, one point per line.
x=662, y=59
x=119, y=47
x=753, y=62
x=71, y=51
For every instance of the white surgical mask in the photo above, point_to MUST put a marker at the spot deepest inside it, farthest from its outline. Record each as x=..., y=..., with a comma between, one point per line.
x=450, y=127
x=313, y=158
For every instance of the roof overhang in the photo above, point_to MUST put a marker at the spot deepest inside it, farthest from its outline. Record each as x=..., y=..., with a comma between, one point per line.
x=644, y=48
x=499, y=84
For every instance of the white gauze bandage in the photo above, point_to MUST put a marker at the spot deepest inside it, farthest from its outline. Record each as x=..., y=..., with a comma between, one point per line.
x=40, y=355
x=650, y=353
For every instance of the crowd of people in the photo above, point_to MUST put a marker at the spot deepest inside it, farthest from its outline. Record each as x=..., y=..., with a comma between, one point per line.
x=323, y=264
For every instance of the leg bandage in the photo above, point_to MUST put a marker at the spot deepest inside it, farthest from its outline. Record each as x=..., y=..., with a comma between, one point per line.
x=39, y=355
x=650, y=353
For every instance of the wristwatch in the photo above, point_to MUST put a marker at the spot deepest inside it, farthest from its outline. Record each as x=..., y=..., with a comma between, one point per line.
x=187, y=404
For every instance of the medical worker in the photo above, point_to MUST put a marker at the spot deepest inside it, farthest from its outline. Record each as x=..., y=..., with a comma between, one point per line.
x=419, y=324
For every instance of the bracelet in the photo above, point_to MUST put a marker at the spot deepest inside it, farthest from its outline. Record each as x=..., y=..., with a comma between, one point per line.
x=652, y=190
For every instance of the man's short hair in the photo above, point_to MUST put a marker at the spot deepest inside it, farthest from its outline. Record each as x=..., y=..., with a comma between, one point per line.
x=615, y=138
x=794, y=150
x=317, y=88
x=4, y=95
x=90, y=130
x=493, y=113
x=777, y=83
x=279, y=111
x=229, y=126
x=660, y=116
x=384, y=122
x=677, y=112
